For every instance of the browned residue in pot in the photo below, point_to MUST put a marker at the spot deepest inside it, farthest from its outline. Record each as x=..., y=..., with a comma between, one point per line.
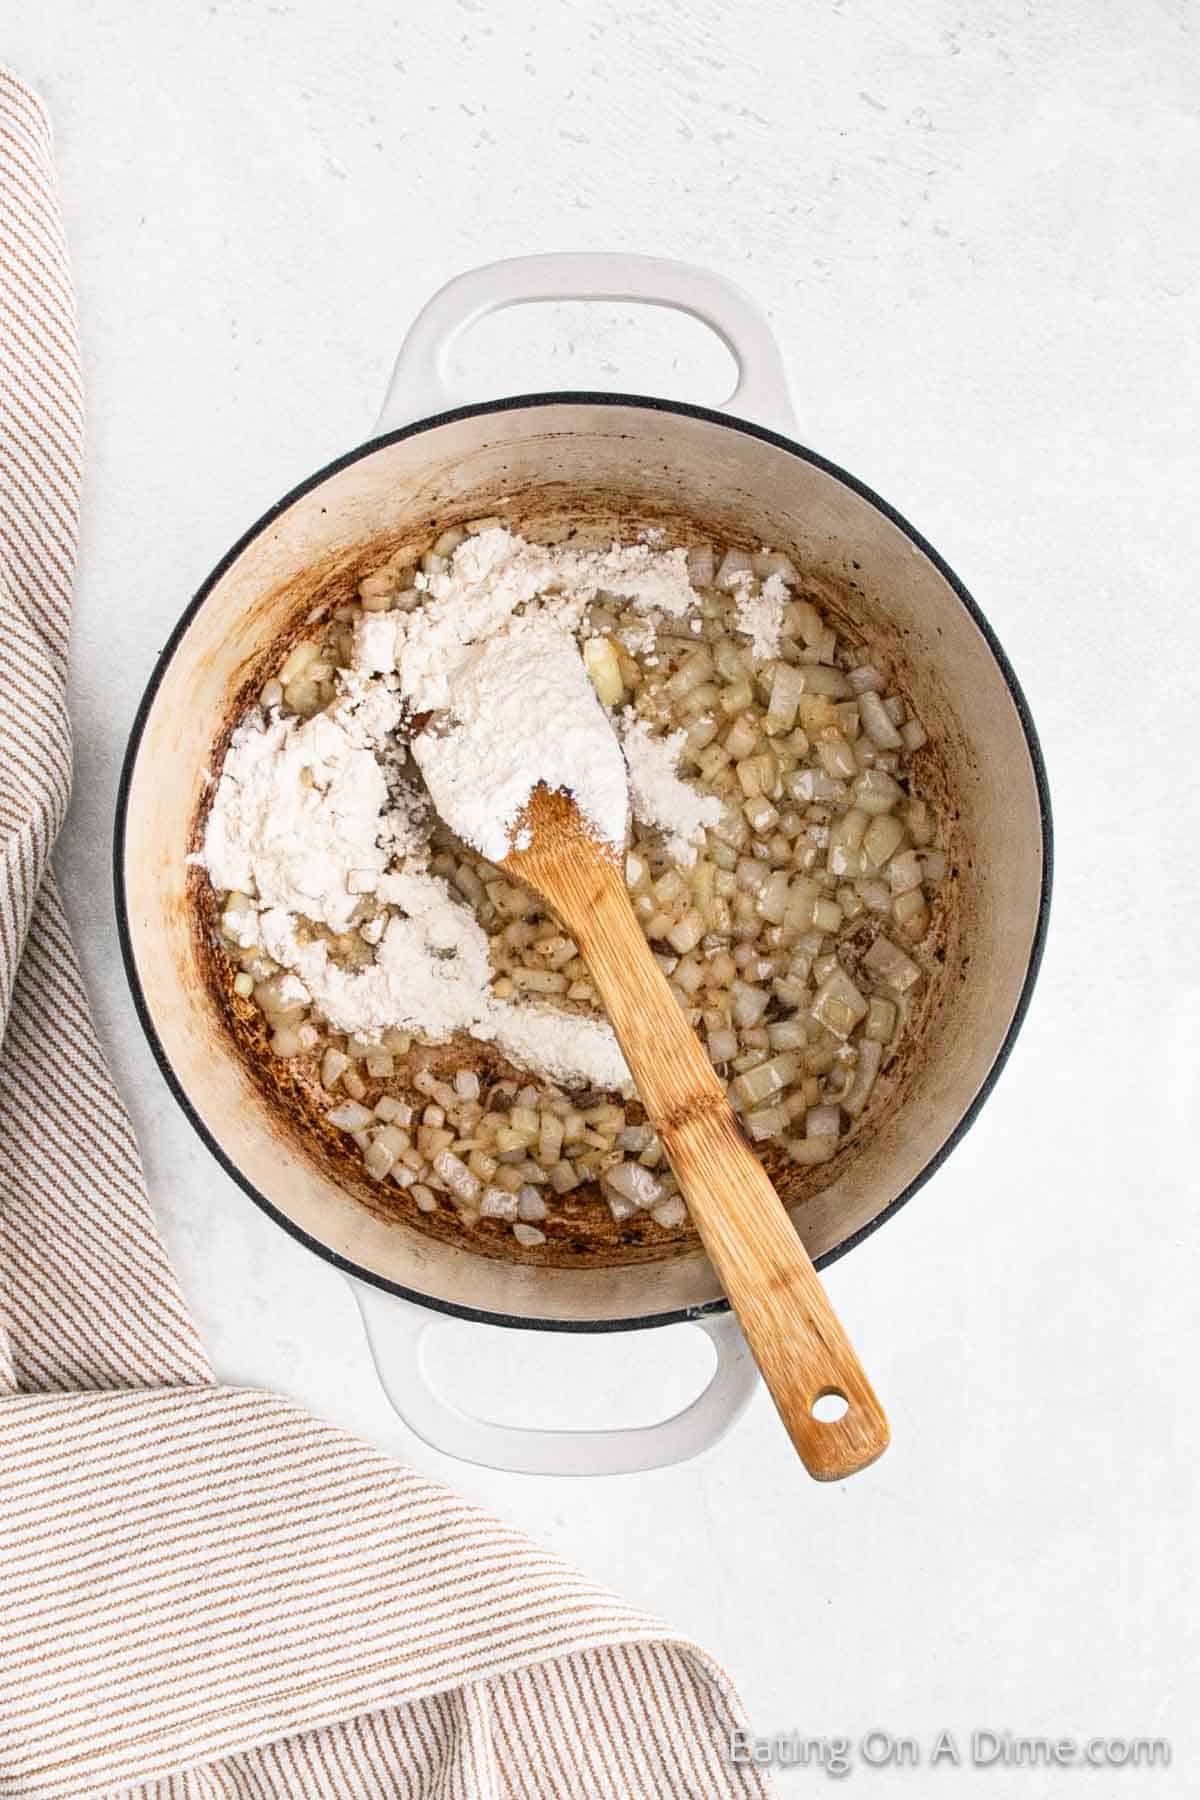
x=580, y=1229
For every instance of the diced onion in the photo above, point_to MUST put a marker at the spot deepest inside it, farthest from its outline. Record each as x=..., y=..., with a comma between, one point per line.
x=735, y=567
x=820, y=842
x=634, y=1183
x=875, y=722
x=870, y=1055
x=350, y=1116
x=888, y=963
x=669, y=1213
x=768, y=1122
x=749, y=1003
x=600, y=661
x=822, y=1121
x=494, y=1203
x=807, y=1151
x=839, y=1006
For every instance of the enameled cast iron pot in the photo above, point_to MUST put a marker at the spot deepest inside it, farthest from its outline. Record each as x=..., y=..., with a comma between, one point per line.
x=565, y=459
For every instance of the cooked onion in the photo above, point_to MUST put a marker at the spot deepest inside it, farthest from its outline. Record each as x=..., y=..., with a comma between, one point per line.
x=779, y=940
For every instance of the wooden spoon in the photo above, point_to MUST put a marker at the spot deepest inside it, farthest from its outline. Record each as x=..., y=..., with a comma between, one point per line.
x=792, y=1330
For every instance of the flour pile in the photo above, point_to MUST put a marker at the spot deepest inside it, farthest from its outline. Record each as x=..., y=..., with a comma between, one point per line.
x=311, y=815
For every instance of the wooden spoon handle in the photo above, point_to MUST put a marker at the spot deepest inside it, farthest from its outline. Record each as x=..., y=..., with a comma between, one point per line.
x=789, y=1324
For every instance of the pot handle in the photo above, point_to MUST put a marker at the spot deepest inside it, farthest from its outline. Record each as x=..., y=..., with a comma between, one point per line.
x=396, y=1330
x=419, y=388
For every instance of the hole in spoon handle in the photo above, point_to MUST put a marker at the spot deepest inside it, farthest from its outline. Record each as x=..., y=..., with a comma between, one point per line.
x=838, y=1433
x=820, y=1389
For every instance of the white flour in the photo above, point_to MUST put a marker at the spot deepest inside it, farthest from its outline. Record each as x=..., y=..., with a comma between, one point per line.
x=431, y=974
x=515, y=706
x=522, y=711
x=490, y=576
x=659, y=796
x=760, y=617
x=564, y=1046
x=639, y=640
x=309, y=816
x=299, y=805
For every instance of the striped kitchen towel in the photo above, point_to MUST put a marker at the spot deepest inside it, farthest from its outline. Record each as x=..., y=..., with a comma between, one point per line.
x=204, y=1591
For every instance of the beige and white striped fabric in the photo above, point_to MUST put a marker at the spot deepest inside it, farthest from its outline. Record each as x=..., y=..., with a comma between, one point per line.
x=204, y=1591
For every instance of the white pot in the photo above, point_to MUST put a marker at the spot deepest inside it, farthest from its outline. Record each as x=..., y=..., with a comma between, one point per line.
x=584, y=458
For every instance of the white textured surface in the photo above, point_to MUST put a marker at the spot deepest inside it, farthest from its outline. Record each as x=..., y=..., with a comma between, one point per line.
x=975, y=231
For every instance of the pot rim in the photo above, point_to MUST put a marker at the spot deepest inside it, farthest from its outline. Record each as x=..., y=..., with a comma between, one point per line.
x=481, y=409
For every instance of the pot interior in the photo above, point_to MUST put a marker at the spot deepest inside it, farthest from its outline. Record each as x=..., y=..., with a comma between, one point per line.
x=551, y=468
